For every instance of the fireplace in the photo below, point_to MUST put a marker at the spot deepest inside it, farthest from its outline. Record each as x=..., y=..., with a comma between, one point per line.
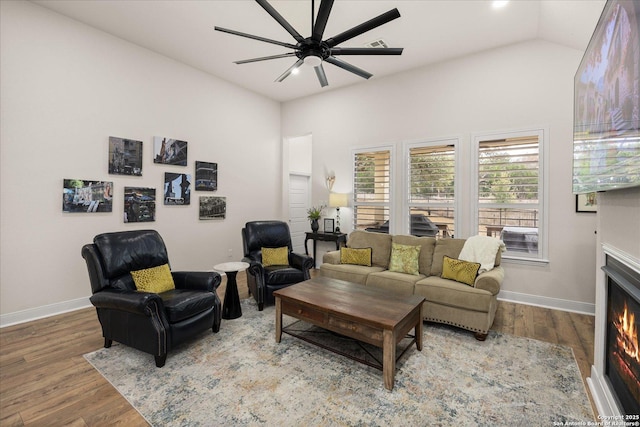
x=622, y=355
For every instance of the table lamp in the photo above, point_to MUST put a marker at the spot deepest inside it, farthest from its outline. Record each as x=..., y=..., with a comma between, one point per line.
x=338, y=200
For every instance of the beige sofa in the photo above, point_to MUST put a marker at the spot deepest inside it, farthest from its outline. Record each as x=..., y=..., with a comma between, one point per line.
x=447, y=301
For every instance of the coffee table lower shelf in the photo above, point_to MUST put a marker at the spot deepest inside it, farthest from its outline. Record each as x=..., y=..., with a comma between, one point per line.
x=377, y=359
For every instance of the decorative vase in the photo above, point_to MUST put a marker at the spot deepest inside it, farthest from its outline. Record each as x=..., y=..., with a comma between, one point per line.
x=314, y=225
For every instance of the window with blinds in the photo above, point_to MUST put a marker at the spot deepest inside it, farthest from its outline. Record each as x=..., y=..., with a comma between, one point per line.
x=372, y=190
x=432, y=188
x=509, y=191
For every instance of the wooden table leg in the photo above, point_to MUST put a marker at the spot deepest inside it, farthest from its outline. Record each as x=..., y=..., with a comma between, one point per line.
x=388, y=358
x=278, y=319
x=418, y=330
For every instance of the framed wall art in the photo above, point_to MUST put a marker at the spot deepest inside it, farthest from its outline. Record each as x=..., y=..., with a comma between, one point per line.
x=206, y=176
x=125, y=156
x=213, y=207
x=587, y=202
x=169, y=151
x=139, y=204
x=79, y=195
x=177, y=188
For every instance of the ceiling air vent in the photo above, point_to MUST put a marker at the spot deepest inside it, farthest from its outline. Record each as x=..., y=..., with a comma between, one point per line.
x=377, y=43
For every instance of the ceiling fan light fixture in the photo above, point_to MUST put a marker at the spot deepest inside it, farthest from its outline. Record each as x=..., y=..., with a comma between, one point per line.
x=312, y=60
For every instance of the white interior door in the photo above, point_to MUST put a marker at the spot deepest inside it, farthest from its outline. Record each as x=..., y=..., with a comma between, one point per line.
x=299, y=196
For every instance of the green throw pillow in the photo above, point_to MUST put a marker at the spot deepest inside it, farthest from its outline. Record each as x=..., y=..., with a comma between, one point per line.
x=460, y=271
x=275, y=256
x=155, y=279
x=355, y=256
x=404, y=259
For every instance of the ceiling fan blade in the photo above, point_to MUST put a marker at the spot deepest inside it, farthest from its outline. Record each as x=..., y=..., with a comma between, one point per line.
x=250, y=36
x=265, y=58
x=284, y=75
x=366, y=51
x=346, y=66
x=363, y=28
x=322, y=77
x=321, y=20
x=275, y=15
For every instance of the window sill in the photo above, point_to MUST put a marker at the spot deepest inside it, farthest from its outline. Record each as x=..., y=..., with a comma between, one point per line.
x=526, y=261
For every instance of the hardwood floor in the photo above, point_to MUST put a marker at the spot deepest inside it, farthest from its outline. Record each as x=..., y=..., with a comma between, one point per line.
x=45, y=381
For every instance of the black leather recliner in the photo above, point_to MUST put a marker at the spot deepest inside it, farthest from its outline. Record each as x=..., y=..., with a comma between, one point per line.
x=153, y=323
x=262, y=281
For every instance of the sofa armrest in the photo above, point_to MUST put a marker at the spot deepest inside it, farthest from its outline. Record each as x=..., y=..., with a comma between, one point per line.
x=197, y=280
x=490, y=280
x=125, y=300
x=332, y=257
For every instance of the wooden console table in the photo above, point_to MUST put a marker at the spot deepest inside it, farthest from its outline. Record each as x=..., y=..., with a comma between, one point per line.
x=339, y=238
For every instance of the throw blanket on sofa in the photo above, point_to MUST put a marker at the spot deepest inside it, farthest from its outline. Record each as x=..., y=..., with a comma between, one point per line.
x=482, y=249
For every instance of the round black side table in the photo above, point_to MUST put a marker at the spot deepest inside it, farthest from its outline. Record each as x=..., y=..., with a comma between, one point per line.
x=231, y=307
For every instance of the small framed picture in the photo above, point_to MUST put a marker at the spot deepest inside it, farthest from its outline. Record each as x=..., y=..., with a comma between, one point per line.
x=587, y=202
x=328, y=225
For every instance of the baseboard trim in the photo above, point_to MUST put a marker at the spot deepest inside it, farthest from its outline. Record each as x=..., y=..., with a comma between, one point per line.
x=36, y=313
x=547, y=302
x=77, y=304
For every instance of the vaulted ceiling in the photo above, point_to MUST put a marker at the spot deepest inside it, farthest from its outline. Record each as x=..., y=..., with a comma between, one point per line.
x=430, y=31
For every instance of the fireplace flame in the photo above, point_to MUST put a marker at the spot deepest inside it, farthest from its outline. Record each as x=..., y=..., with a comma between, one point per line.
x=628, y=334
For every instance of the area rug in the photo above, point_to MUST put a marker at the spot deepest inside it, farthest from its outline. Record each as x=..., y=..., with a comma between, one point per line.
x=241, y=376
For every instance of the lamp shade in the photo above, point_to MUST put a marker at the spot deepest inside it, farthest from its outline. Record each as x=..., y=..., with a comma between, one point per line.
x=338, y=200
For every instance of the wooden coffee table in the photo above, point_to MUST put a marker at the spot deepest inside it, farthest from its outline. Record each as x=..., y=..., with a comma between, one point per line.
x=370, y=315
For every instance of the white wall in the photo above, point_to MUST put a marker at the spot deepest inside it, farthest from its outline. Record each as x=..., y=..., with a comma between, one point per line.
x=65, y=89
x=519, y=86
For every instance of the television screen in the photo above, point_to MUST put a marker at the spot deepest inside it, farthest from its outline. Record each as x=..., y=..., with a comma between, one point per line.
x=606, y=142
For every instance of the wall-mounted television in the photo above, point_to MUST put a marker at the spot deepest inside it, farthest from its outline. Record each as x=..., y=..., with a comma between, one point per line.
x=606, y=139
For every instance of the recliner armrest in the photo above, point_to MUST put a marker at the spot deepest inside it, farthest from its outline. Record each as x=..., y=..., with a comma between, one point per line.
x=255, y=268
x=301, y=262
x=125, y=300
x=197, y=280
x=490, y=280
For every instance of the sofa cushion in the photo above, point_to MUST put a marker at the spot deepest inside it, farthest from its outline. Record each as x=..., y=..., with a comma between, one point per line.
x=348, y=272
x=404, y=259
x=356, y=256
x=460, y=271
x=397, y=283
x=454, y=294
x=379, y=243
x=427, y=246
x=448, y=247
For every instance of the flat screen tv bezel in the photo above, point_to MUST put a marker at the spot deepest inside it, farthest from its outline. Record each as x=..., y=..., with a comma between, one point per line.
x=607, y=140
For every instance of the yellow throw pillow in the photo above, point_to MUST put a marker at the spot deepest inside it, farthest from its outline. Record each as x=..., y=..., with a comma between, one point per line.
x=156, y=279
x=355, y=256
x=460, y=271
x=404, y=259
x=275, y=256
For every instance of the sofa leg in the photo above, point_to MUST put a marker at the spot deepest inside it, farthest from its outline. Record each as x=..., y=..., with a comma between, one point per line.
x=480, y=336
x=260, y=306
x=160, y=360
x=107, y=342
x=216, y=327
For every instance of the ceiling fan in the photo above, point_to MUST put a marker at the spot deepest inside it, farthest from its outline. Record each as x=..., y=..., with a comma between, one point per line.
x=313, y=50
